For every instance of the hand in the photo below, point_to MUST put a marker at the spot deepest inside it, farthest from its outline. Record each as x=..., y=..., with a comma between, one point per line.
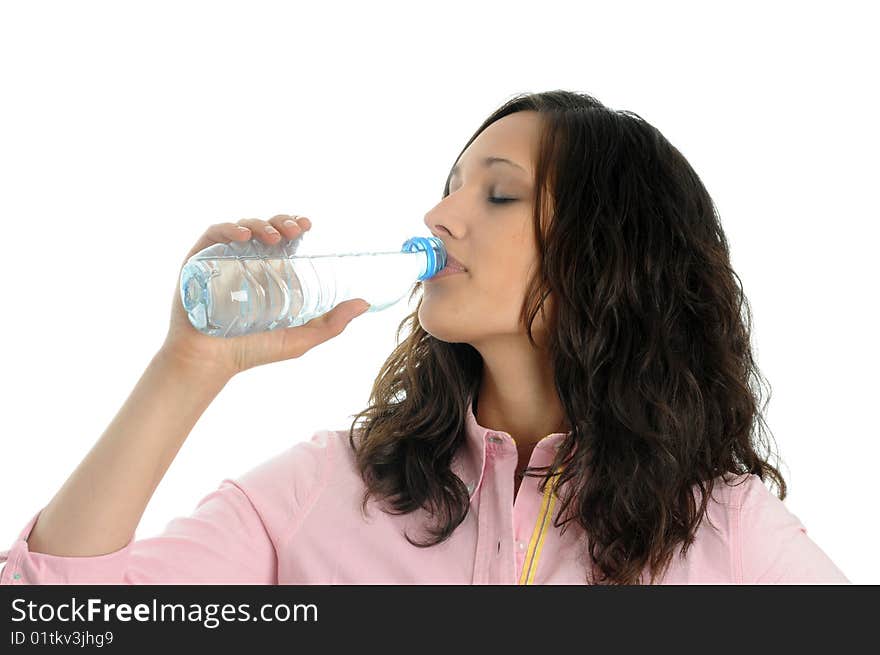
x=226, y=356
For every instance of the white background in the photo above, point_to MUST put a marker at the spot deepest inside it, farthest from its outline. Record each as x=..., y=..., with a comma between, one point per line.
x=128, y=128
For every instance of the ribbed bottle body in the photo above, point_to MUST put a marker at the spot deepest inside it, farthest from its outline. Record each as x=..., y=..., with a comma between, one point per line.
x=234, y=289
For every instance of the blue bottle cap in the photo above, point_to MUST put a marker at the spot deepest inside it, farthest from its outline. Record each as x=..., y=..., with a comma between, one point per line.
x=435, y=250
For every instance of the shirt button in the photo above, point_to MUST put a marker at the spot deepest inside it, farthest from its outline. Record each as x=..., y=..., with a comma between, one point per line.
x=521, y=545
x=16, y=576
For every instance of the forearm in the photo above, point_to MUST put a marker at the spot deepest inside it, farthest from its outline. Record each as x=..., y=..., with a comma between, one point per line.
x=99, y=506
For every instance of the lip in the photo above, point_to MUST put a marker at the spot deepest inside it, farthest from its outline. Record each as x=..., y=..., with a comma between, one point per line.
x=445, y=272
x=452, y=262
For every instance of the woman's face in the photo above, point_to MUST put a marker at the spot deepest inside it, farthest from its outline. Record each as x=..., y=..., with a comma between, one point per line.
x=493, y=241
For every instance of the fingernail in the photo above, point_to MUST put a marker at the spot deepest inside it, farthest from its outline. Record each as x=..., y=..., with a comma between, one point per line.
x=271, y=230
x=289, y=222
x=243, y=229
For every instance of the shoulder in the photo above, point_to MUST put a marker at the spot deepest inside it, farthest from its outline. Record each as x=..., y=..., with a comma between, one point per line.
x=296, y=469
x=771, y=544
x=732, y=492
x=283, y=487
x=756, y=539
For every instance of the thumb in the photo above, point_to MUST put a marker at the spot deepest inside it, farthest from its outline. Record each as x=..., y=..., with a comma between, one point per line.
x=351, y=309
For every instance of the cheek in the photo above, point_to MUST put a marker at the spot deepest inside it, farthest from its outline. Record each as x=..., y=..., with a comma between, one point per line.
x=508, y=279
x=474, y=306
x=504, y=293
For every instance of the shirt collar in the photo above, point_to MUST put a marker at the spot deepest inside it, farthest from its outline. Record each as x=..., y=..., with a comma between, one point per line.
x=480, y=438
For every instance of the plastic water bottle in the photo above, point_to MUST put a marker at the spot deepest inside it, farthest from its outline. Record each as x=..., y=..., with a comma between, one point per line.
x=231, y=289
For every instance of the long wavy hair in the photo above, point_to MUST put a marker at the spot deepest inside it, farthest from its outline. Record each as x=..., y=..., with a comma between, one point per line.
x=648, y=339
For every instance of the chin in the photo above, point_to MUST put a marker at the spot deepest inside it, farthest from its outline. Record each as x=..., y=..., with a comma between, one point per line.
x=445, y=328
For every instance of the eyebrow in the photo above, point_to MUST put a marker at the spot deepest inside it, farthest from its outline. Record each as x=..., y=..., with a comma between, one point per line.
x=488, y=161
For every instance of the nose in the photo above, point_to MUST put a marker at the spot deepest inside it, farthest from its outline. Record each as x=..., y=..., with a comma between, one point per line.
x=441, y=223
x=431, y=223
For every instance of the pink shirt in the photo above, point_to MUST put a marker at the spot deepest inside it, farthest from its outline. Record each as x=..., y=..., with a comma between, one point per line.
x=296, y=519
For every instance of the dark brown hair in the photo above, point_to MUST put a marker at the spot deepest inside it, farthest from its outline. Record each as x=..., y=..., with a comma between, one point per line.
x=649, y=336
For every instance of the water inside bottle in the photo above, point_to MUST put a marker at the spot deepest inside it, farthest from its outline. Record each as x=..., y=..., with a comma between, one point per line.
x=232, y=295
x=238, y=294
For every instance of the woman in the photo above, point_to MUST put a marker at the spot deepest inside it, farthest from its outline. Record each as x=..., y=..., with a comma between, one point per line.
x=567, y=409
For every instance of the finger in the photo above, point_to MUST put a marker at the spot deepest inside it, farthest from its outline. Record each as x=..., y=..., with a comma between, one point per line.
x=304, y=222
x=219, y=233
x=335, y=320
x=261, y=230
x=287, y=225
x=330, y=324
